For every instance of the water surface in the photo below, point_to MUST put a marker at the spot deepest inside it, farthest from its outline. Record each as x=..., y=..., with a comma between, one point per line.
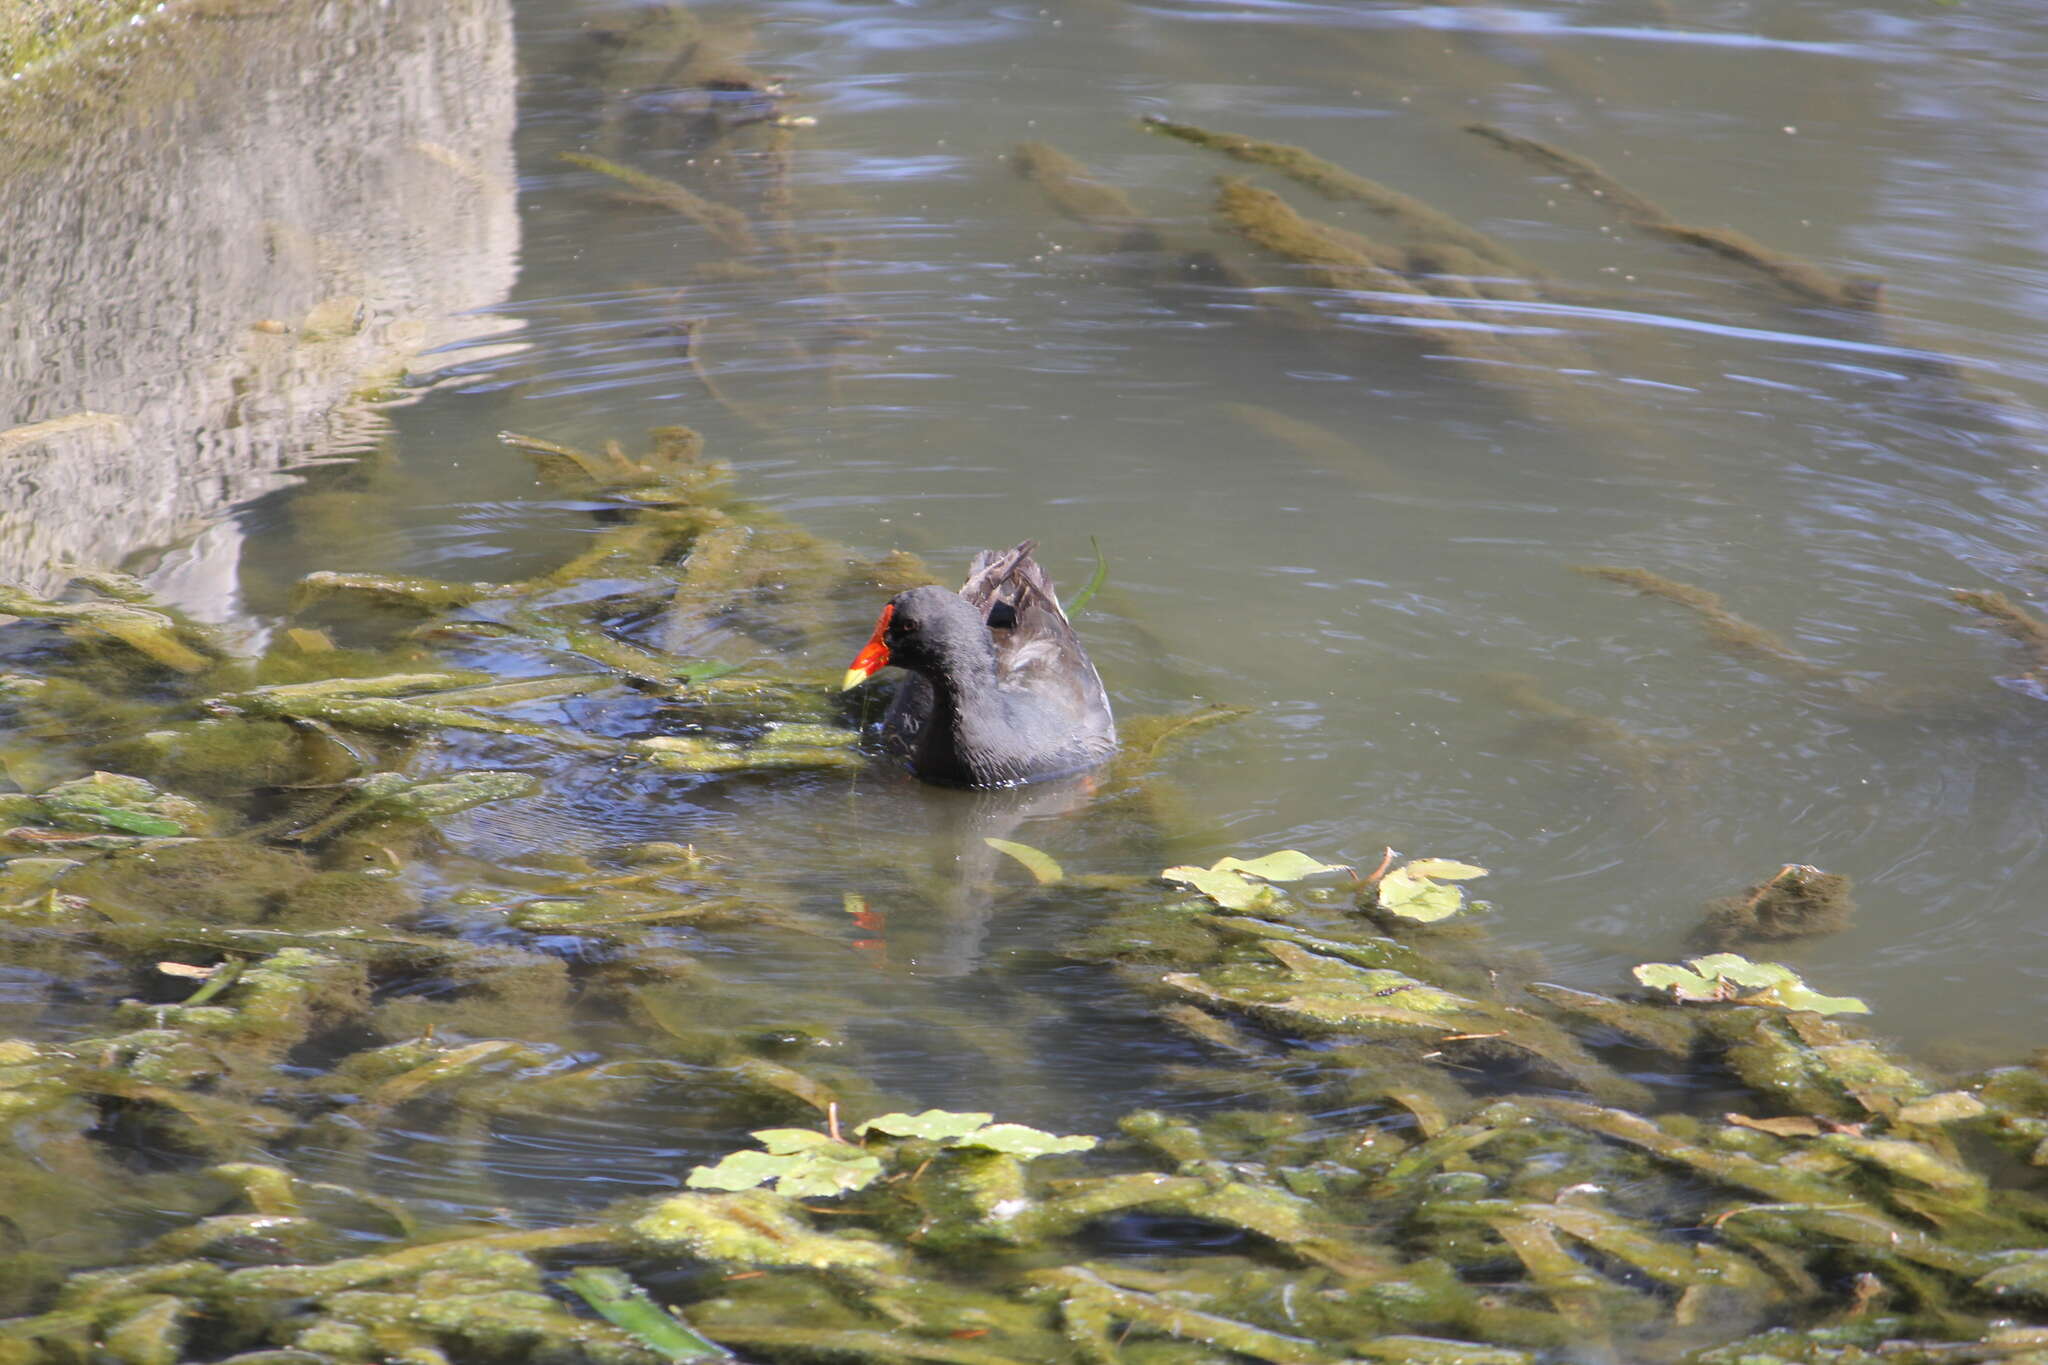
x=1358, y=531
x=999, y=371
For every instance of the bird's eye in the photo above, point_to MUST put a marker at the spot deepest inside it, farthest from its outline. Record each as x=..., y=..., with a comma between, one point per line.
x=1002, y=616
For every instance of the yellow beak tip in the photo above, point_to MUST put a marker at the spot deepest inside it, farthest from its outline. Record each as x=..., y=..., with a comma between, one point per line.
x=854, y=678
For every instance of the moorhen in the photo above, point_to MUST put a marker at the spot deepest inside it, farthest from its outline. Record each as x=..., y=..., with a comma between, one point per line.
x=1000, y=692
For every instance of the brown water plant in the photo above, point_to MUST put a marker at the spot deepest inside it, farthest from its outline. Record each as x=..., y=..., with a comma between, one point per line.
x=1430, y=229
x=1797, y=901
x=1798, y=278
x=1071, y=187
x=2018, y=624
x=1653, y=766
x=725, y=224
x=1727, y=630
x=1535, y=372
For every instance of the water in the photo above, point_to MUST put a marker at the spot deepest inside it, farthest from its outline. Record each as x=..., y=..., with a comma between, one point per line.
x=1370, y=570
x=1357, y=596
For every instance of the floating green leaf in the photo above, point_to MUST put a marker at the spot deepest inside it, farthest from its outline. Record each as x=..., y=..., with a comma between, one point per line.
x=1445, y=870
x=1041, y=865
x=784, y=1141
x=1740, y=970
x=1730, y=976
x=740, y=1171
x=1288, y=865
x=1420, y=890
x=1403, y=893
x=1231, y=890
x=826, y=1171
x=974, y=1130
x=625, y=1305
x=823, y=1168
x=1682, y=983
x=1796, y=995
x=938, y=1124
x=1020, y=1140
x=1237, y=883
x=799, y=1162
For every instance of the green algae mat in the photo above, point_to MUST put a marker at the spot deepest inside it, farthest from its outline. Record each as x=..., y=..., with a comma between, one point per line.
x=225, y=872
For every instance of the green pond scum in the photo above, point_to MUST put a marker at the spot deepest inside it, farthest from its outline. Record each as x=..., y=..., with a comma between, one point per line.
x=1391, y=1141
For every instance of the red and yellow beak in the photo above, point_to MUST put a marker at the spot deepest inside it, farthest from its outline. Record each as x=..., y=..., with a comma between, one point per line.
x=874, y=656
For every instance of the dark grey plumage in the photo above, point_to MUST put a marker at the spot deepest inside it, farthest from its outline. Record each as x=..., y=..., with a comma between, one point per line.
x=1000, y=691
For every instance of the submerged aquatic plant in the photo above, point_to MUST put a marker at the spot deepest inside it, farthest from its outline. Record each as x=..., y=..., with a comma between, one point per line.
x=1420, y=220
x=319, y=971
x=1797, y=901
x=1070, y=187
x=625, y=1304
x=1095, y=581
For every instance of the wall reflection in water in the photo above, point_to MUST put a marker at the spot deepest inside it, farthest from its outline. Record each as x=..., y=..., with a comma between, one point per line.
x=229, y=237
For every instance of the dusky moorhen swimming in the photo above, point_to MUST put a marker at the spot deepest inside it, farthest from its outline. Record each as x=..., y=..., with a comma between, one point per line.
x=1000, y=692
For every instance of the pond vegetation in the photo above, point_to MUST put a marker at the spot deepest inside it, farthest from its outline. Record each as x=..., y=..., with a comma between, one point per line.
x=238, y=873
x=254, y=955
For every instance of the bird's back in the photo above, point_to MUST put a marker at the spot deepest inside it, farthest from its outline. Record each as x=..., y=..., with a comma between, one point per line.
x=1054, y=716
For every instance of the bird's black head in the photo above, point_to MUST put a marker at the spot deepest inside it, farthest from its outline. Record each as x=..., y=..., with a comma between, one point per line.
x=929, y=631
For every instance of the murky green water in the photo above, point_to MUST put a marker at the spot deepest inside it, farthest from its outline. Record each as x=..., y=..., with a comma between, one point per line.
x=976, y=368
x=1358, y=523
